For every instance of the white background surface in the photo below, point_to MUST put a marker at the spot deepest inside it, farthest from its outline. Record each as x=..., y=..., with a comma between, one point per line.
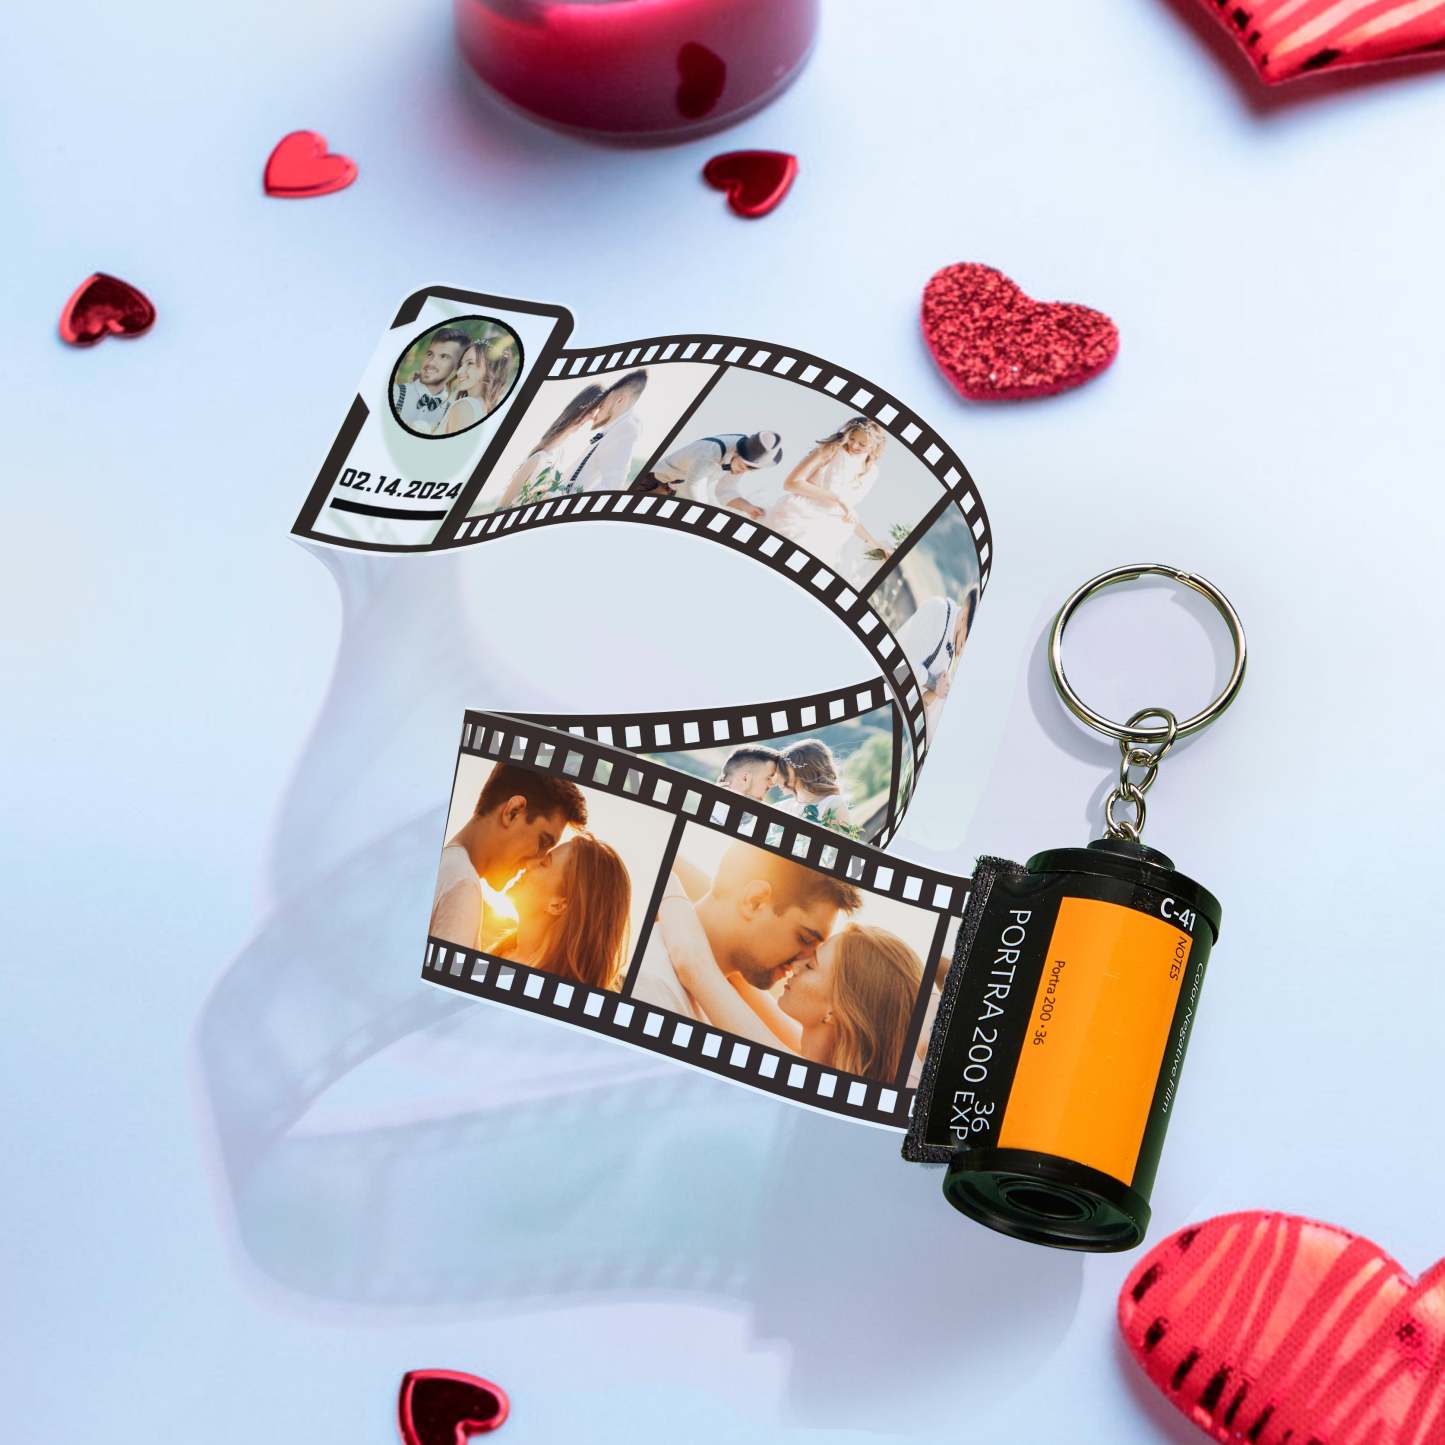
x=1272, y=421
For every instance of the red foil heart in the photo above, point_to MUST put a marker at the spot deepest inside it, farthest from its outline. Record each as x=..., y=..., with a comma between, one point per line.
x=445, y=1407
x=105, y=306
x=995, y=343
x=301, y=166
x=755, y=181
x=1285, y=39
x=1276, y=1330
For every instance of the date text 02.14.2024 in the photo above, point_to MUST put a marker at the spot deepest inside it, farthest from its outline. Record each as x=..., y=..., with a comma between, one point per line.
x=379, y=484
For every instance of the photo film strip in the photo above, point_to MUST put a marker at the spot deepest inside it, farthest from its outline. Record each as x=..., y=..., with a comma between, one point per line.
x=933, y=901
x=472, y=422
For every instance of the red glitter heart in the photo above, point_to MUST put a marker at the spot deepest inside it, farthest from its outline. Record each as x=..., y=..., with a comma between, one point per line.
x=444, y=1407
x=1285, y=39
x=701, y=75
x=755, y=181
x=1270, y=1328
x=302, y=166
x=105, y=306
x=995, y=343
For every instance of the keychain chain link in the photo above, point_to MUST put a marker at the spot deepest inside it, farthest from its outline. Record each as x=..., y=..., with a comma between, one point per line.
x=1134, y=753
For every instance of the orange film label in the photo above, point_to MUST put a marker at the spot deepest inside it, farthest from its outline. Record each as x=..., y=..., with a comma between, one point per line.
x=1096, y=1039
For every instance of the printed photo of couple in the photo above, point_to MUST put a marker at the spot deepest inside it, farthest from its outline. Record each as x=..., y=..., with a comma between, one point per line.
x=801, y=463
x=837, y=775
x=929, y=601
x=763, y=948
x=539, y=871
x=590, y=436
x=454, y=376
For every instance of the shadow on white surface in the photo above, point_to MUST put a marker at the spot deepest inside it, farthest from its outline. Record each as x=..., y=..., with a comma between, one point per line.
x=387, y=1146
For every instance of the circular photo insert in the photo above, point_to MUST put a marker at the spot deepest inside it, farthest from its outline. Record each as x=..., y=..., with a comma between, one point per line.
x=455, y=375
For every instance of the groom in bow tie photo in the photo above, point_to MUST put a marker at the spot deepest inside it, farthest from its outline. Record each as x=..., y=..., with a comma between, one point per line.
x=422, y=402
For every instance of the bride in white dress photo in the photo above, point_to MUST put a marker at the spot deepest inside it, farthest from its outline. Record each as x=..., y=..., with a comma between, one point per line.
x=819, y=506
x=545, y=469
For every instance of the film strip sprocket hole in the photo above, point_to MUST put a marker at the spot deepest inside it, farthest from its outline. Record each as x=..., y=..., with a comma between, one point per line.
x=782, y=457
x=937, y=899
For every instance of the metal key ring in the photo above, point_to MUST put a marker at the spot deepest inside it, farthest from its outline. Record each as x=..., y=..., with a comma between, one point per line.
x=1121, y=731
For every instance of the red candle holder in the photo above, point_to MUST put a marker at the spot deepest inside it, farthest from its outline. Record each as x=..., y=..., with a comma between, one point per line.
x=640, y=70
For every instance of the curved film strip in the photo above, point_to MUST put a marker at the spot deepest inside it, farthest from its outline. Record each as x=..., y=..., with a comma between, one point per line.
x=703, y=883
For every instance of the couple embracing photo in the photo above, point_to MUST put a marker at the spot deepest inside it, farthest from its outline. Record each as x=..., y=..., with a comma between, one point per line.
x=775, y=953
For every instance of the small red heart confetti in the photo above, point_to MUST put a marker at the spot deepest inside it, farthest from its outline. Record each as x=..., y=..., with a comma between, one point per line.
x=755, y=181
x=701, y=75
x=445, y=1407
x=301, y=166
x=1285, y=39
x=1270, y=1328
x=105, y=306
x=995, y=343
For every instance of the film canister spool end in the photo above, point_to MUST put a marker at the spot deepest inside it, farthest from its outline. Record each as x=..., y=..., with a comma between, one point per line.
x=1042, y=1199
x=1103, y=951
x=1065, y=1013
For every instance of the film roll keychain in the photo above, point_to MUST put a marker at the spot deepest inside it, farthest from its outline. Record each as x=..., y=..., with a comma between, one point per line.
x=708, y=885
x=1062, y=1029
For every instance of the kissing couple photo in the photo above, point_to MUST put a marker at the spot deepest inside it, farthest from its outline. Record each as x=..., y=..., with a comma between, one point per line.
x=763, y=948
x=525, y=875
x=455, y=376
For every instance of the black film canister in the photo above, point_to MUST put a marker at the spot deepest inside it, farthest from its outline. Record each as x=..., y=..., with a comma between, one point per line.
x=1055, y=1060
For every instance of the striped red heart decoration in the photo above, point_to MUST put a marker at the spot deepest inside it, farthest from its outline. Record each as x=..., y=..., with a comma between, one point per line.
x=1285, y=39
x=1276, y=1330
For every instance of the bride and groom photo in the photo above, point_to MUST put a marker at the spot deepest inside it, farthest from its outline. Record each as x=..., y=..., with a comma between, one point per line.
x=454, y=376
x=803, y=463
x=538, y=871
x=594, y=435
x=763, y=948
x=837, y=775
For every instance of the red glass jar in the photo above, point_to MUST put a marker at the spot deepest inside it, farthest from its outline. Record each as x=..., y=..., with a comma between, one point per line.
x=649, y=70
